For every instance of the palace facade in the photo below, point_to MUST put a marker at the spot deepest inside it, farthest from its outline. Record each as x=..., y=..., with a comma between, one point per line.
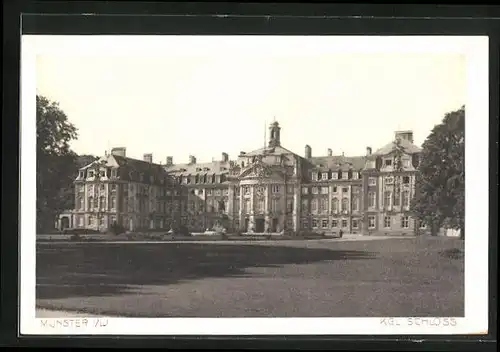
x=268, y=189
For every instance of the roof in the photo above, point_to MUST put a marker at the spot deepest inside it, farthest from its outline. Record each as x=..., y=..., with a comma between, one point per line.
x=338, y=162
x=408, y=147
x=131, y=169
x=215, y=167
x=278, y=150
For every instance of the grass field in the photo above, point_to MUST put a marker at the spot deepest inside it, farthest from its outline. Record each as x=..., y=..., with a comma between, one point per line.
x=395, y=277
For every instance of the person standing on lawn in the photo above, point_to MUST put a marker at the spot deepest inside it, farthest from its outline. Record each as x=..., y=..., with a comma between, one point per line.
x=341, y=233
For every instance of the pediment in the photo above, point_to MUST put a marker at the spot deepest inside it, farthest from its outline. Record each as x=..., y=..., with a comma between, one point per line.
x=267, y=172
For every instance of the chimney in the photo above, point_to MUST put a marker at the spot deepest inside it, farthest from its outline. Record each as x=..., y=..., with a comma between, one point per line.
x=148, y=158
x=120, y=151
x=408, y=135
x=192, y=159
x=329, y=152
x=170, y=161
x=308, y=152
x=368, y=150
x=225, y=157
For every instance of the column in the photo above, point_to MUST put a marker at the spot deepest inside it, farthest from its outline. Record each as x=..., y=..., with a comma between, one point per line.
x=241, y=213
x=267, y=208
x=296, y=207
x=251, y=222
x=230, y=206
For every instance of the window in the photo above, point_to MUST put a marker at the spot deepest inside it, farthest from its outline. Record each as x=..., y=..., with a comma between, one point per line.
x=334, y=189
x=324, y=224
x=113, y=202
x=345, y=190
x=218, y=192
x=289, y=205
x=260, y=205
x=355, y=223
x=422, y=225
x=246, y=206
x=314, y=205
x=345, y=175
x=209, y=192
x=334, y=223
x=314, y=176
x=315, y=190
x=335, y=175
x=90, y=220
x=355, y=175
x=344, y=223
x=289, y=189
x=289, y=223
x=324, y=176
x=225, y=191
x=275, y=188
x=305, y=190
x=80, y=174
x=102, y=187
x=406, y=180
x=80, y=221
x=371, y=199
x=81, y=188
x=335, y=205
x=345, y=204
x=101, y=220
x=79, y=203
x=112, y=187
x=387, y=222
x=387, y=198
x=406, y=163
x=389, y=180
x=406, y=199
x=355, y=203
x=91, y=203
x=372, y=181
x=323, y=205
x=304, y=205
x=315, y=223
x=404, y=222
x=371, y=222
x=304, y=224
x=324, y=190
x=388, y=162
x=246, y=190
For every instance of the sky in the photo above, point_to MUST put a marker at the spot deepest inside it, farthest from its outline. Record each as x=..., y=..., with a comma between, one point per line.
x=179, y=96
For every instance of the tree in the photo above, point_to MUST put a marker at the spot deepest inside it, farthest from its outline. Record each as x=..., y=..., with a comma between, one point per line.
x=440, y=187
x=56, y=162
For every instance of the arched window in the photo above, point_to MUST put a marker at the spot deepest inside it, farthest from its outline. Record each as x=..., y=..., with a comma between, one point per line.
x=371, y=199
x=355, y=203
x=102, y=202
x=91, y=203
x=387, y=198
x=345, y=204
x=406, y=198
x=113, y=202
x=335, y=204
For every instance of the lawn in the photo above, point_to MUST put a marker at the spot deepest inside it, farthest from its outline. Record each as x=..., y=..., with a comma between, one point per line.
x=395, y=277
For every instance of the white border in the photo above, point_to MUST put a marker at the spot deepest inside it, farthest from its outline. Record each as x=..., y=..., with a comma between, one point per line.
x=476, y=270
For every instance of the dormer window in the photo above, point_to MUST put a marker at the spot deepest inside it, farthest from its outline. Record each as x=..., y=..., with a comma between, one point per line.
x=388, y=162
x=324, y=176
x=406, y=163
x=345, y=175
x=102, y=173
x=314, y=176
x=355, y=175
x=81, y=174
x=91, y=173
x=335, y=176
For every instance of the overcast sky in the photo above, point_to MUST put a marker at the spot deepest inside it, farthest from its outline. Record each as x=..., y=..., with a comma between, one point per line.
x=205, y=95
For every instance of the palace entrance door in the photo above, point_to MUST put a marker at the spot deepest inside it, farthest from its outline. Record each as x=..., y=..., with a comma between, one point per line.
x=259, y=225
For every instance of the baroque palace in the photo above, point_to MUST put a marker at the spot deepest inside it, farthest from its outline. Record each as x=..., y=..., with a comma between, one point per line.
x=270, y=189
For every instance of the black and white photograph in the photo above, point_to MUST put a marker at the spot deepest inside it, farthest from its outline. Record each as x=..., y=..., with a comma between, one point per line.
x=181, y=184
